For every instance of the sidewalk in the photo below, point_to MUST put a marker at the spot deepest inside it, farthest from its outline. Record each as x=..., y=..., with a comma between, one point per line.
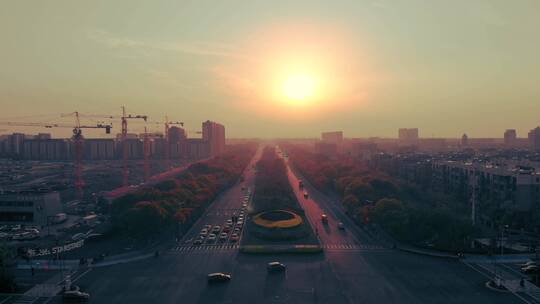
x=75, y=263
x=49, y=288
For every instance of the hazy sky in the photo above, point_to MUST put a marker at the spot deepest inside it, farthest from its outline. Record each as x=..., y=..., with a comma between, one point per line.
x=446, y=67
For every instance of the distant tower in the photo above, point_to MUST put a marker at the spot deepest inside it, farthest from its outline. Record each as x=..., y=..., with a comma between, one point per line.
x=464, y=140
x=510, y=137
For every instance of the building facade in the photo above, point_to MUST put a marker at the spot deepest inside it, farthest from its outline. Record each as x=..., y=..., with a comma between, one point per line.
x=29, y=207
x=214, y=134
x=510, y=138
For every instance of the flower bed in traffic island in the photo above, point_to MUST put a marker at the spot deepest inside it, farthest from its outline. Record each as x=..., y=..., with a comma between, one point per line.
x=277, y=219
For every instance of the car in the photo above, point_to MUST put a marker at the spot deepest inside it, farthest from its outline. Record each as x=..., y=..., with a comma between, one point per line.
x=240, y=223
x=75, y=295
x=530, y=269
x=244, y=205
x=229, y=222
x=529, y=263
x=197, y=242
x=211, y=238
x=218, y=277
x=306, y=195
x=240, y=218
x=227, y=228
x=236, y=230
x=324, y=219
x=207, y=227
x=32, y=230
x=234, y=237
x=216, y=228
x=341, y=226
x=223, y=236
x=275, y=267
x=203, y=233
x=15, y=228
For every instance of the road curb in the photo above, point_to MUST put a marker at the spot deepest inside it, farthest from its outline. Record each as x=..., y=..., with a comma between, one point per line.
x=427, y=253
x=281, y=249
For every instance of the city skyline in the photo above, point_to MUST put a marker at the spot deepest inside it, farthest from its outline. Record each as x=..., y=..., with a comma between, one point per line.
x=366, y=68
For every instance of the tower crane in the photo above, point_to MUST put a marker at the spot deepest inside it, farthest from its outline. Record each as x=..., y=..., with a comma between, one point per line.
x=77, y=140
x=124, y=119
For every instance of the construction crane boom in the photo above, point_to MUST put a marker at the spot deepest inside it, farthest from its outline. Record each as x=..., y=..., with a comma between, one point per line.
x=124, y=118
x=77, y=140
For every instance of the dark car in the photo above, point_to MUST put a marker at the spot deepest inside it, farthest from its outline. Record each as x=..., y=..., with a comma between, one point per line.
x=75, y=296
x=218, y=277
x=275, y=267
x=531, y=269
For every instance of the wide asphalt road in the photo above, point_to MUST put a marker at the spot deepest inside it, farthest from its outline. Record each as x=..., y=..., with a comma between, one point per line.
x=363, y=273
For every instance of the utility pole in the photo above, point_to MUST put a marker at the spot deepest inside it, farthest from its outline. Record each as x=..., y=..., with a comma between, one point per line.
x=146, y=155
x=473, y=199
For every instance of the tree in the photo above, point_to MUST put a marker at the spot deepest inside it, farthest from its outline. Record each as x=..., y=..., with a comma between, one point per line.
x=7, y=282
x=391, y=214
x=350, y=203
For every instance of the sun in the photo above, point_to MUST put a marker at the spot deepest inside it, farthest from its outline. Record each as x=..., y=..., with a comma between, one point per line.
x=299, y=87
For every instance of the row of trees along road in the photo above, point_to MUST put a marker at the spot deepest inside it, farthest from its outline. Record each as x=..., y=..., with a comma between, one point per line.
x=181, y=199
x=409, y=214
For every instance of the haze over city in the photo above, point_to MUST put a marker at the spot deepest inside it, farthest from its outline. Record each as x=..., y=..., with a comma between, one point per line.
x=372, y=66
x=295, y=152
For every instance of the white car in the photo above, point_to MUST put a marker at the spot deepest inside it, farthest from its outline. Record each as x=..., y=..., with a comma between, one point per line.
x=529, y=263
x=32, y=230
x=211, y=238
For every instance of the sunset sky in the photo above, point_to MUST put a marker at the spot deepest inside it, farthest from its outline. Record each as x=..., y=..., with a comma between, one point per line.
x=277, y=68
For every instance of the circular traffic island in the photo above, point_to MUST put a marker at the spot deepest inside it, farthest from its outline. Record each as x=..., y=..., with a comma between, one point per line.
x=277, y=219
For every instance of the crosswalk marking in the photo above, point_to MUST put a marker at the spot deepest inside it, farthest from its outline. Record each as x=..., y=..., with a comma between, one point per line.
x=205, y=247
x=352, y=247
x=222, y=247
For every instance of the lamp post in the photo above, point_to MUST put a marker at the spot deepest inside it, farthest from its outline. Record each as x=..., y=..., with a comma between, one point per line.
x=502, y=251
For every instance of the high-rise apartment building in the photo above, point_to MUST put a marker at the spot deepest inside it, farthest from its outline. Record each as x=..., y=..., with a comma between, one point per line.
x=534, y=139
x=214, y=134
x=408, y=135
x=510, y=137
x=332, y=137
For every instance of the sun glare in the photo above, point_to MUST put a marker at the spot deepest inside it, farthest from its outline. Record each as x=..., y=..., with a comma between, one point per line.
x=298, y=87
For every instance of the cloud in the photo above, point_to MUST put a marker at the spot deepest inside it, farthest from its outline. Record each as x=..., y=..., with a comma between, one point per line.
x=192, y=48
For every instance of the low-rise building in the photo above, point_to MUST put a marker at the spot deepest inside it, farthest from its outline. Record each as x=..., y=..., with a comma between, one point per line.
x=29, y=207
